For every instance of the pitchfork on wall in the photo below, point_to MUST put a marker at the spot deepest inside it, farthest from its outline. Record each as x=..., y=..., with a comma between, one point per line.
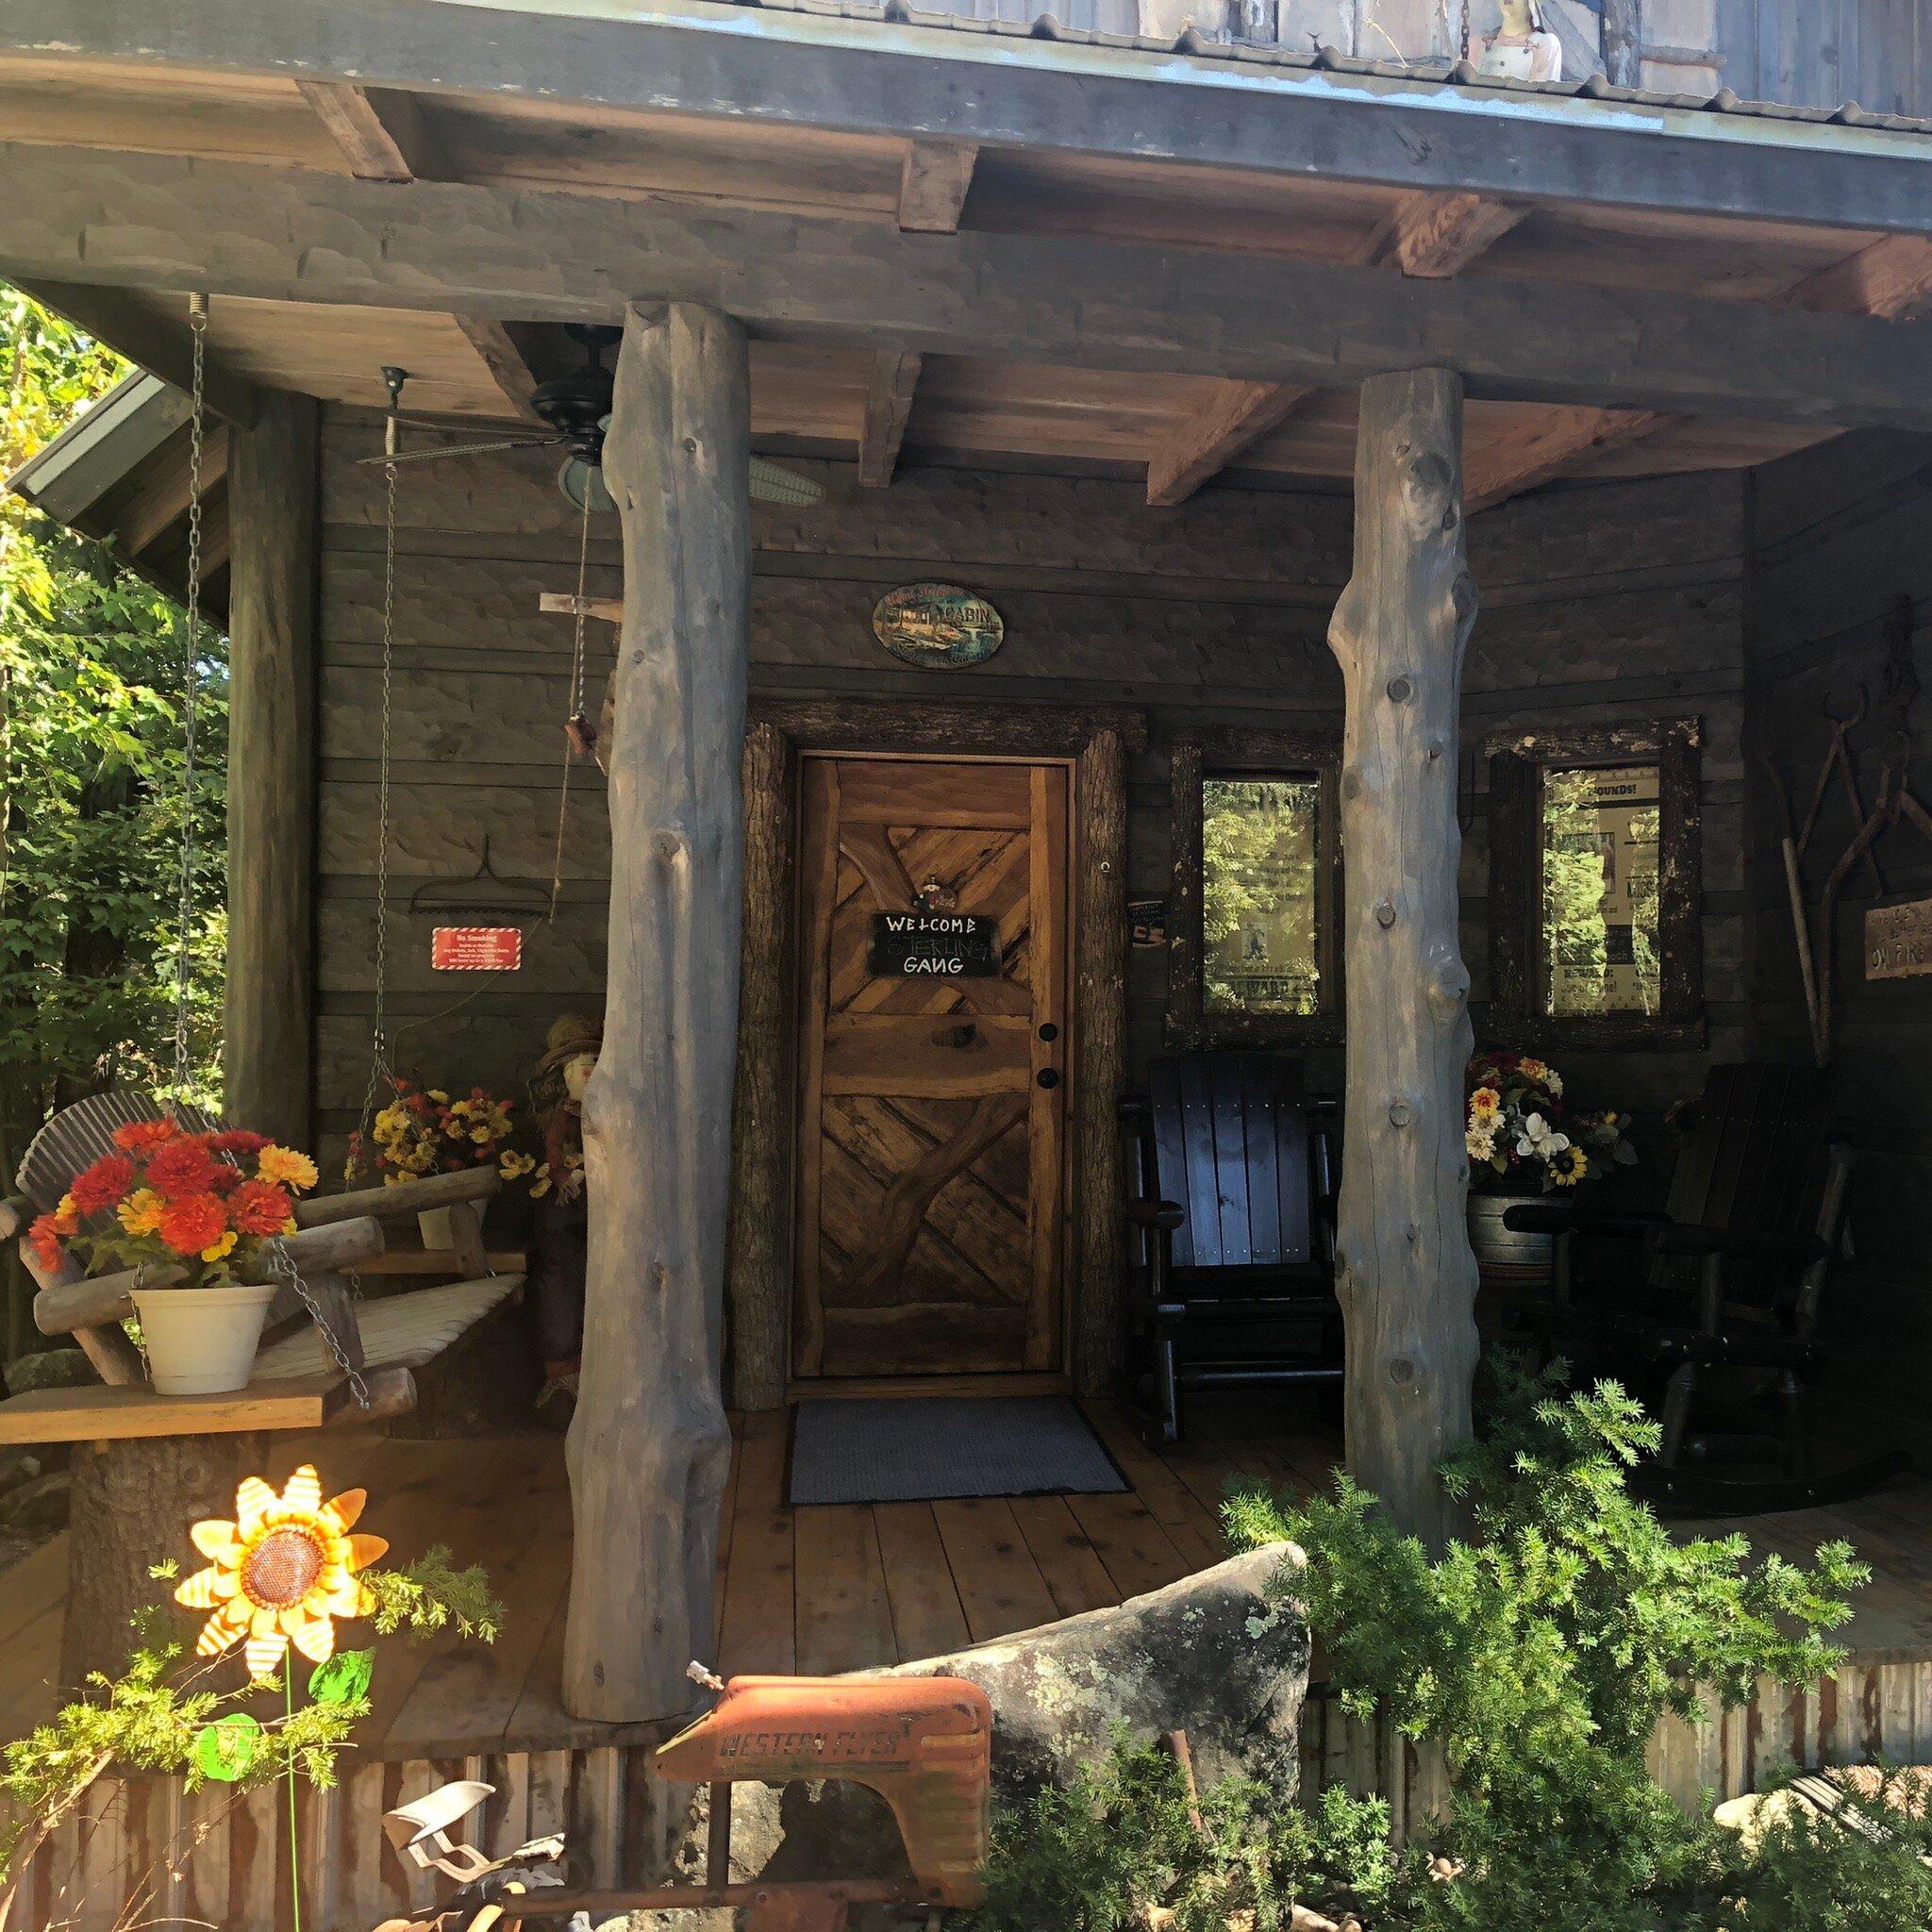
x=1895, y=801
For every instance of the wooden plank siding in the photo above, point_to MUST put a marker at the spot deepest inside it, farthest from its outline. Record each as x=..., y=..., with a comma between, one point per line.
x=1617, y=600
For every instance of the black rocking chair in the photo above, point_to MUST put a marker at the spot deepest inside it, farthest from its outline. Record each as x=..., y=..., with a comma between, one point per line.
x=1234, y=1281
x=1724, y=1311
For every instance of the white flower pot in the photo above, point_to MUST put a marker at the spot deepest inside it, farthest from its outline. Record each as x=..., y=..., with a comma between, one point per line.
x=201, y=1341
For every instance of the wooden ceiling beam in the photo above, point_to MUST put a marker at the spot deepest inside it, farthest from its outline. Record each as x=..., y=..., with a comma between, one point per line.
x=1430, y=237
x=239, y=228
x=131, y=328
x=888, y=409
x=380, y=130
x=1891, y=280
x=934, y=180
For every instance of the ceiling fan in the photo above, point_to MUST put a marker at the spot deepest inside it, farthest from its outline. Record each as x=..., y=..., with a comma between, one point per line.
x=575, y=408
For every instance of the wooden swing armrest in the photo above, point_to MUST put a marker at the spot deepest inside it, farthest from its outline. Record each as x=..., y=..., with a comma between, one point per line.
x=1167, y=1214
x=1553, y=1217
x=16, y=1210
x=406, y=1198
x=1740, y=1245
x=66, y=1306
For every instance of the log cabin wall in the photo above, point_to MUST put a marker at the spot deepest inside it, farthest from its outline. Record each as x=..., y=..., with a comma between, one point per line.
x=1618, y=601
x=1839, y=537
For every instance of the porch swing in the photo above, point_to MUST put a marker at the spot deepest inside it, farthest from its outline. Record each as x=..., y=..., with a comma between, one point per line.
x=330, y=1358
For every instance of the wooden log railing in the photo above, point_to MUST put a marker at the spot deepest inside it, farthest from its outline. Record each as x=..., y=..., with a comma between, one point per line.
x=66, y=1306
x=405, y=1197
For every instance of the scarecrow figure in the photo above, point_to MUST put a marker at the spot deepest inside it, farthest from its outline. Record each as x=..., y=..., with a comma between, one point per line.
x=559, y=1249
x=1523, y=48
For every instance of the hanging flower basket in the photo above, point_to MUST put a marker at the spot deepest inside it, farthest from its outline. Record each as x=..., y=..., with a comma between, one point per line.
x=424, y=1131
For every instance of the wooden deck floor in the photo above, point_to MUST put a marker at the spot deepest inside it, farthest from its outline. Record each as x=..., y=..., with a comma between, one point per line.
x=833, y=1589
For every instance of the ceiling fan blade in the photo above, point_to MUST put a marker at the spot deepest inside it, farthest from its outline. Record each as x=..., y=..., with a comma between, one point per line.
x=461, y=449
x=771, y=483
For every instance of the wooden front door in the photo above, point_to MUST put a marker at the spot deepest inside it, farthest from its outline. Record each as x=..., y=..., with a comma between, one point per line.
x=931, y=1185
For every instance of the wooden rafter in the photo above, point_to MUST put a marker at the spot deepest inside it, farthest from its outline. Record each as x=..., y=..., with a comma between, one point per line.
x=380, y=130
x=1428, y=236
x=933, y=184
x=887, y=406
x=1890, y=279
x=503, y=355
x=164, y=500
x=130, y=326
x=1551, y=443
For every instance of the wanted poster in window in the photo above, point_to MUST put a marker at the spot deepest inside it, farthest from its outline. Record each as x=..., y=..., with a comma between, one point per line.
x=1258, y=854
x=1600, y=841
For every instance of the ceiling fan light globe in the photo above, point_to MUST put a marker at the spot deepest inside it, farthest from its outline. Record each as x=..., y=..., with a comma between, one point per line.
x=578, y=480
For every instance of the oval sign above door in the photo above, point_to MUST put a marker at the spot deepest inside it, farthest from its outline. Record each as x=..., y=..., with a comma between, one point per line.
x=938, y=627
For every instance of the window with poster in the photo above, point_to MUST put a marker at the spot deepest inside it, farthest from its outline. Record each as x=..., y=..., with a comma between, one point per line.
x=1594, y=874
x=1252, y=955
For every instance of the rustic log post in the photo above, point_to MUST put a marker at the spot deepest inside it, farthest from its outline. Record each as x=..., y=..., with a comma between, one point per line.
x=272, y=600
x=649, y=1449
x=130, y=1508
x=1404, y=1273
x=1100, y=788
x=763, y=1140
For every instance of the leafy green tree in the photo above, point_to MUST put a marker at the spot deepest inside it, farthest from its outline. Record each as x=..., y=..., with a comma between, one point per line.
x=91, y=663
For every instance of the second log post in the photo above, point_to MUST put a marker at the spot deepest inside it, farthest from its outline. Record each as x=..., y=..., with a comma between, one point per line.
x=1406, y=1276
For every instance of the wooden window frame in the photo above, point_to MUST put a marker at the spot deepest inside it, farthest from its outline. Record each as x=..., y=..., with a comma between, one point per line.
x=1517, y=763
x=1235, y=751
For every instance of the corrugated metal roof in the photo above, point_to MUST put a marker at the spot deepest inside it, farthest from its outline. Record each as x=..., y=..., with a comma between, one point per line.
x=1460, y=74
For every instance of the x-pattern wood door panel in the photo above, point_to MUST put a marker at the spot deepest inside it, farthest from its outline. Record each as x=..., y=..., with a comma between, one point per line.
x=930, y=1198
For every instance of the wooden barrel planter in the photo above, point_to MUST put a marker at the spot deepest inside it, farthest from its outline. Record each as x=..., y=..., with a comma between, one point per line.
x=1504, y=1258
x=1511, y=1267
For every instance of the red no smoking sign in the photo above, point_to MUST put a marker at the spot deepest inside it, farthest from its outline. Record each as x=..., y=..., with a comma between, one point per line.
x=476, y=948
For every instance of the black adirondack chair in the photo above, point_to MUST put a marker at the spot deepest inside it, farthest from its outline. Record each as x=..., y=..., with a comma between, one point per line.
x=1234, y=1213
x=1716, y=1299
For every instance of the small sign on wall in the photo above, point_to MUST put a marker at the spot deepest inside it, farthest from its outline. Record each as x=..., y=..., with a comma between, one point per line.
x=1147, y=921
x=476, y=948
x=943, y=945
x=1898, y=940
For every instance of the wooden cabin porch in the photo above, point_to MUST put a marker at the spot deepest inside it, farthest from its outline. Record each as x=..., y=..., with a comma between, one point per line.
x=823, y=1589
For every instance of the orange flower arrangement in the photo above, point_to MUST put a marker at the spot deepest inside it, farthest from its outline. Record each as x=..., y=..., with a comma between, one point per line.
x=211, y=1201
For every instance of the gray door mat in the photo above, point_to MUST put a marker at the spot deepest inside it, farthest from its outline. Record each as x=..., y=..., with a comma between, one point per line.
x=922, y=1449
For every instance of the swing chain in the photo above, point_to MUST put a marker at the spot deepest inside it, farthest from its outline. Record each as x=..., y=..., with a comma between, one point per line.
x=197, y=325
x=577, y=703
x=283, y=1262
x=379, y=1067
